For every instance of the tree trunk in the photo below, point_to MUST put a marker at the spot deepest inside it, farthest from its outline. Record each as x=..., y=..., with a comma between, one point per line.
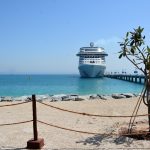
x=148, y=98
x=149, y=115
x=148, y=104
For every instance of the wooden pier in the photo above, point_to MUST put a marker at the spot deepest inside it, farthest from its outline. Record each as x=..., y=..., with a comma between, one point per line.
x=131, y=78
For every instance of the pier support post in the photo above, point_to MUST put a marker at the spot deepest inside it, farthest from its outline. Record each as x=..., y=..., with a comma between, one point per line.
x=131, y=79
x=35, y=143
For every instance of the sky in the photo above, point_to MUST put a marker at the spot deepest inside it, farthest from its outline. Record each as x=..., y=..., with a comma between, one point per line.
x=44, y=36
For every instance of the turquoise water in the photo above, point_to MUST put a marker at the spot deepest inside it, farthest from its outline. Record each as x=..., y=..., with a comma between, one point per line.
x=19, y=85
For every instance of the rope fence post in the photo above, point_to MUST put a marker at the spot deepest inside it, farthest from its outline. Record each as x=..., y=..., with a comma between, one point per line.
x=35, y=143
x=35, y=133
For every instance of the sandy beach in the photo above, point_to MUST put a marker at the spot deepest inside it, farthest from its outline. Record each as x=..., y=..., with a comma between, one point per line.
x=16, y=136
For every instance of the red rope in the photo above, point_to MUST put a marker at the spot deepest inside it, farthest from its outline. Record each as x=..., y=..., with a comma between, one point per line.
x=14, y=104
x=87, y=114
x=107, y=134
x=15, y=123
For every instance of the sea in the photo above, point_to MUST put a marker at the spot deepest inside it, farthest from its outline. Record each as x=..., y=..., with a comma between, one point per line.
x=22, y=85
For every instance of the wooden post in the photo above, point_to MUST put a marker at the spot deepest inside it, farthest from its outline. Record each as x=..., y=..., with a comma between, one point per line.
x=35, y=143
x=34, y=118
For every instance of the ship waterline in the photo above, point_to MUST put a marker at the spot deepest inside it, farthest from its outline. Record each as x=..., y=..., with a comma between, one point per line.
x=92, y=61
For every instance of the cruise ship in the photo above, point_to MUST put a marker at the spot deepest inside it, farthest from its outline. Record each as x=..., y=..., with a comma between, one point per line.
x=92, y=61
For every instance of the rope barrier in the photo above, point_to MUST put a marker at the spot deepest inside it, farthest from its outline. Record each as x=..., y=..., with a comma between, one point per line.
x=137, y=133
x=93, y=133
x=87, y=114
x=66, y=128
x=15, y=104
x=15, y=123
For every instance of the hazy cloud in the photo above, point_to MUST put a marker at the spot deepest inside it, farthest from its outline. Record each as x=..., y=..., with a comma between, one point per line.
x=110, y=44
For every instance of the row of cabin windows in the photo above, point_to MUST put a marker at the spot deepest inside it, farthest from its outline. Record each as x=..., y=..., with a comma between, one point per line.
x=92, y=56
x=92, y=59
x=89, y=62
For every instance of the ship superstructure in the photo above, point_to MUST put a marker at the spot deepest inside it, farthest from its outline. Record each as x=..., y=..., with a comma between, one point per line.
x=92, y=61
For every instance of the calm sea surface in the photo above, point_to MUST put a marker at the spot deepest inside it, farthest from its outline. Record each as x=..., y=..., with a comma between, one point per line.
x=19, y=85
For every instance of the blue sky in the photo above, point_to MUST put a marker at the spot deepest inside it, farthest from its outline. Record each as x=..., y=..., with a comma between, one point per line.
x=43, y=36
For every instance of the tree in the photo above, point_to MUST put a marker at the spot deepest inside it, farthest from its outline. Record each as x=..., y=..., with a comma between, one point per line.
x=134, y=49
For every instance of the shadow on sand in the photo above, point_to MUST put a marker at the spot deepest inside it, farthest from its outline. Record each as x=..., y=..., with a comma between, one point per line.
x=97, y=140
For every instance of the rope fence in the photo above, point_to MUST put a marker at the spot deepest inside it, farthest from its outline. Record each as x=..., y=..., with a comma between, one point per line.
x=15, y=104
x=80, y=113
x=94, y=115
x=56, y=126
x=37, y=143
x=93, y=133
x=16, y=123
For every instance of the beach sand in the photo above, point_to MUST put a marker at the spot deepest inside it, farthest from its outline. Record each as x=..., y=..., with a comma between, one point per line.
x=16, y=136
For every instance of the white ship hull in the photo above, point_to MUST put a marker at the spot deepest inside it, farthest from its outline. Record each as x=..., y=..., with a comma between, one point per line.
x=91, y=70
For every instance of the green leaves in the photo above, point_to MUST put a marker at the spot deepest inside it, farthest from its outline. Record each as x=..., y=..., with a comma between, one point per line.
x=140, y=30
x=127, y=34
x=136, y=37
x=120, y=56
x=121, y=44
x=148, y=49
x=133, y=41
x=134, y=49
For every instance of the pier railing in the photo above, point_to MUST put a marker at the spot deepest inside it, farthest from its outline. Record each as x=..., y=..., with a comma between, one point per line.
x=39, y=142
x=131, y=78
